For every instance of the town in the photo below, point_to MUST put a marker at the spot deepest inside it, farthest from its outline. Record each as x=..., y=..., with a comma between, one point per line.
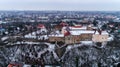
x=43, y=38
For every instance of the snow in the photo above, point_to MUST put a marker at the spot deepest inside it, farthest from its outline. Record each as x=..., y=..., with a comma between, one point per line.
x=29, y=36
x=6, y=32
x=51, y=47
x=45, y=36
x=81, y=28
x=33, y=33
x=39, y=53
x=40, y=37
x=44, y=29
x=34, y=36
x=69, y=47
x=27, y=42
x=87, y=42
x=74, y=33
x=81, y=32
x=57, y=35
x=31, y=42
x=58, y=32
x=26, y=65
x=102, y=33
x=55, y=55
x=64, y=28
x=38, y=32
x=51, y=66
x=110, y=38
x=18, y=42
x=77, y=45
x=4, y=38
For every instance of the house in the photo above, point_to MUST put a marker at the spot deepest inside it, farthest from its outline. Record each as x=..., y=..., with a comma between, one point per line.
x=65, y=30
x=71, y=35
x=100, y=36
x=58, y=27
x=40, y=26
x=91, y=27
x=15, y=64
x=63, y=24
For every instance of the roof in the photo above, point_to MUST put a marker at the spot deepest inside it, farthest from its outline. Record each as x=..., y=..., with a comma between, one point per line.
x=67, y=33
x=81, y=32
x=102, y=32
x=15, y=64
x=63, y=24
x=41, y=26
x=52, y=65
x=78, y=28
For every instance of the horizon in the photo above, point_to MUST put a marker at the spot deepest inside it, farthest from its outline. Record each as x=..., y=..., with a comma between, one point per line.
x=60, y=5
x=69, y=10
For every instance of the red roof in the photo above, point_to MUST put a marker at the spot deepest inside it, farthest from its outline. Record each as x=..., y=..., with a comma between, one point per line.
x=41, y=26
x=67, y=33
x=76, y=26
x=17, y=65
x=63, y=24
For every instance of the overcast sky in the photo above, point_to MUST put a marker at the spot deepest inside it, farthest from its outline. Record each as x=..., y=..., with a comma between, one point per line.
x=73, y=5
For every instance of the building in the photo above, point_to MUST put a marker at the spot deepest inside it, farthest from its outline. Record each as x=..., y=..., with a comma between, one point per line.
x=40, y=26
x=71, y=39
x=15, y=64
x=82, y=35
x=100, y=36
x=86, y=37
x=71, y=35
x=58, y=38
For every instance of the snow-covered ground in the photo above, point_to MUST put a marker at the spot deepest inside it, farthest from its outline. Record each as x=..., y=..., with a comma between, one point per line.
x=26, y=65
x=110, y=38
x=87, y=42
x=35, y=36
x=4, y=38
x=27, y=42
x=51, y=66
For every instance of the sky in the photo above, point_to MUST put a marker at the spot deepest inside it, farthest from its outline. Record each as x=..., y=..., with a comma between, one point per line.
x=63, y=5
